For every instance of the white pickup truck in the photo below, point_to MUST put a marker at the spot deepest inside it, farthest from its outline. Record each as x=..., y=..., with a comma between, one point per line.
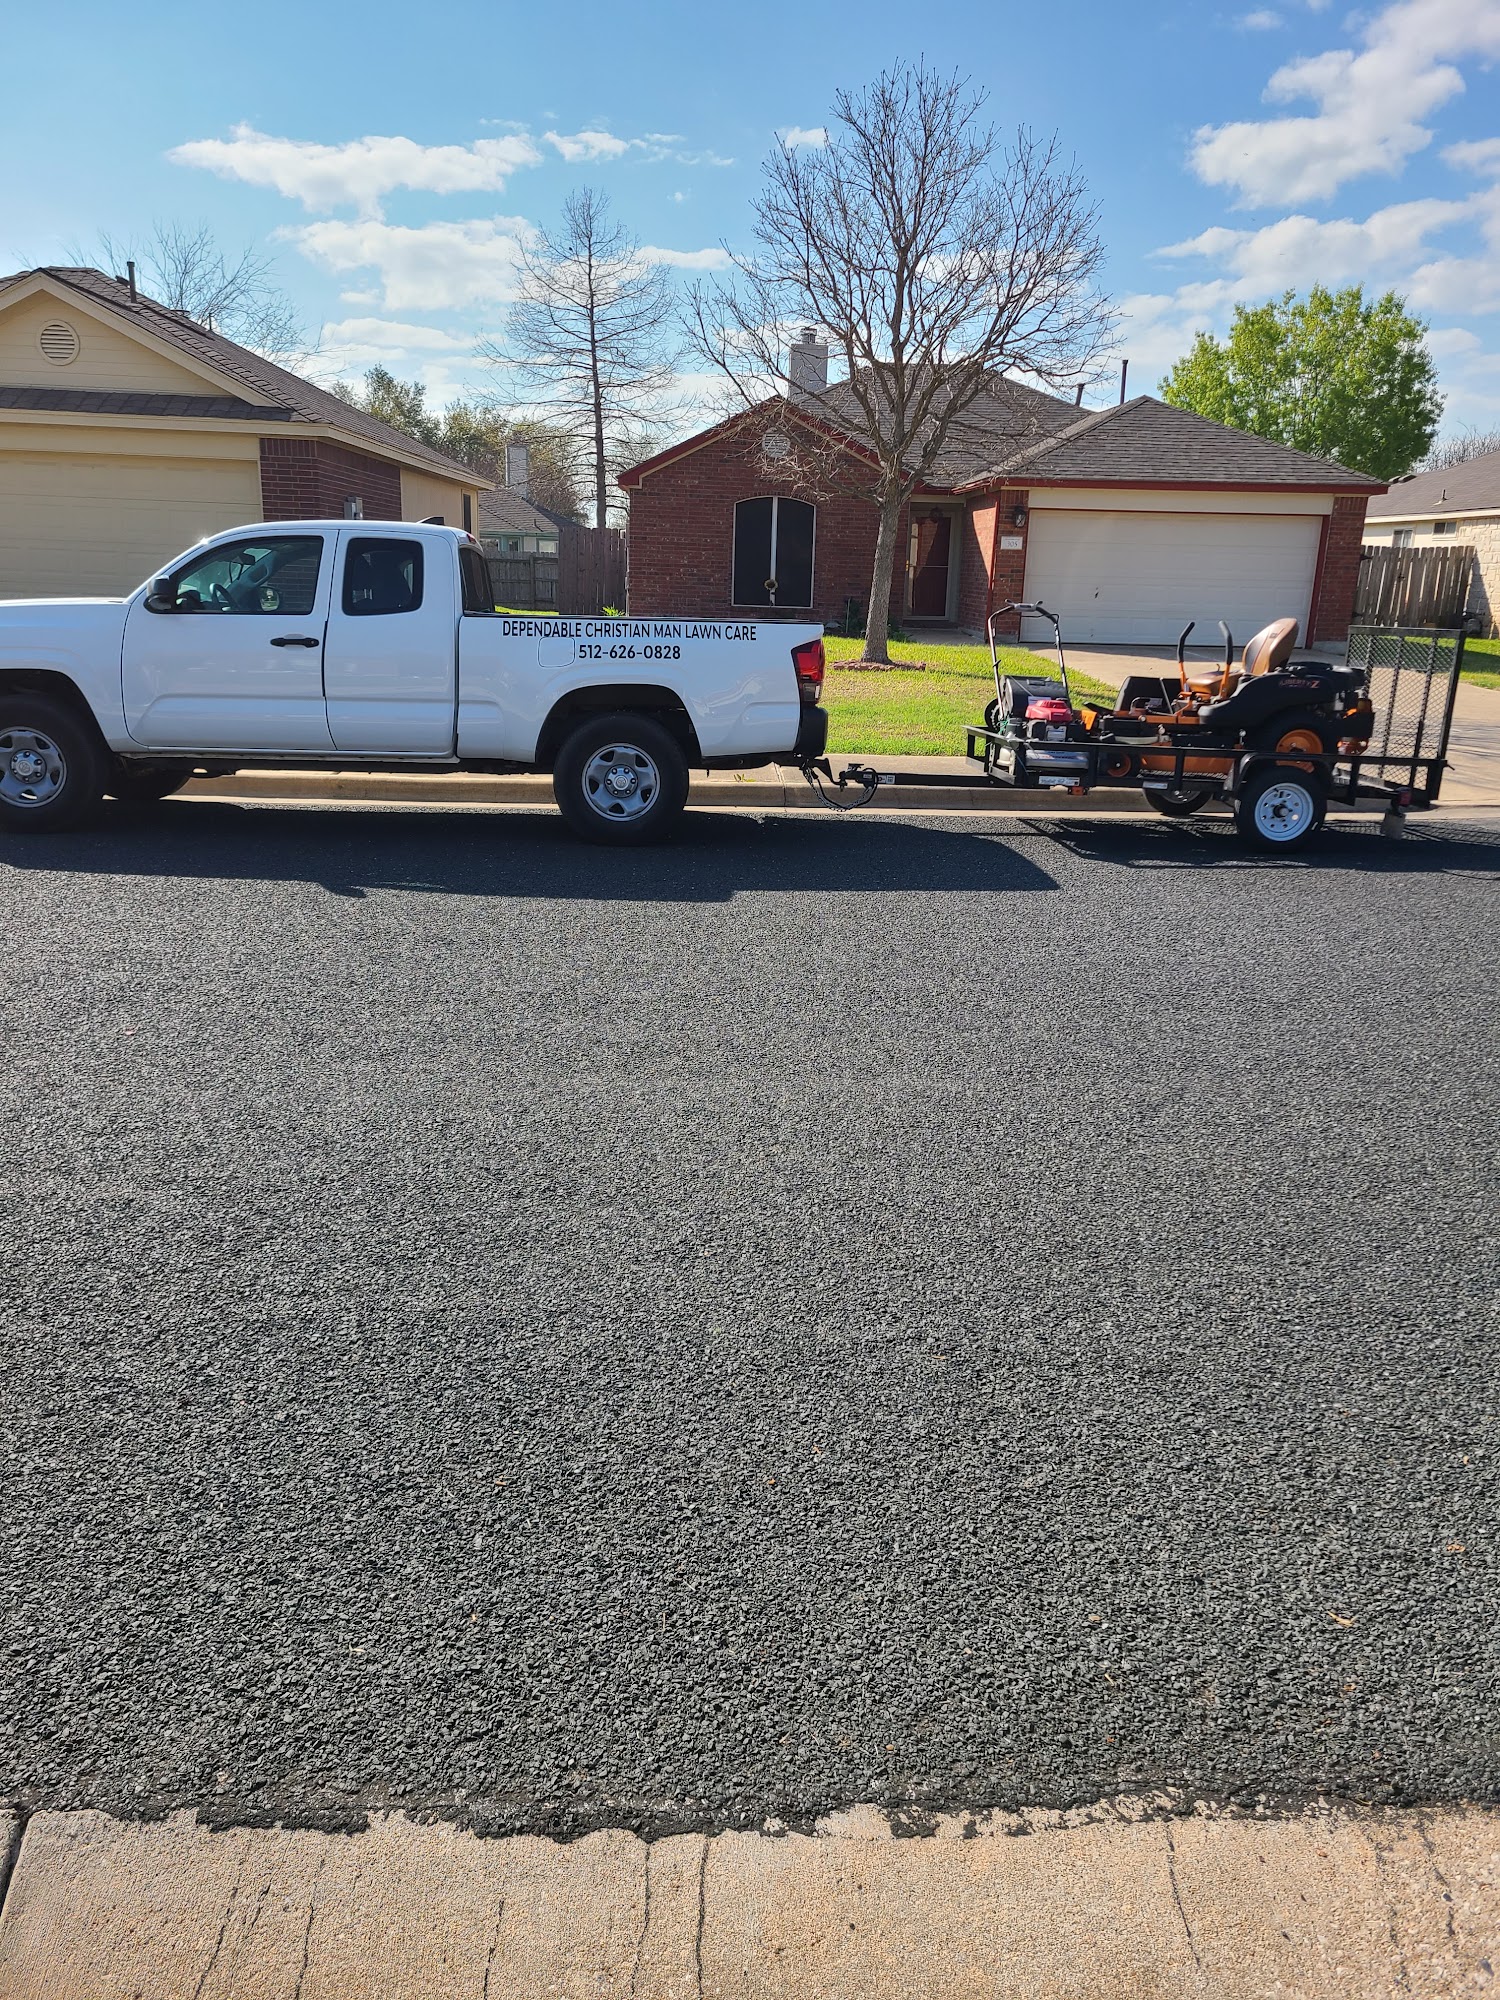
x=376, y=645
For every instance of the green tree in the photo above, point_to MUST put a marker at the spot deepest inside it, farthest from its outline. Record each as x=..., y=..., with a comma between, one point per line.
x=403, y=405
x=1334, y=374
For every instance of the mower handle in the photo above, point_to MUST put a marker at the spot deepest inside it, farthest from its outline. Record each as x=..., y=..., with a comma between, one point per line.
x=1228, y=644
x=1183, y=639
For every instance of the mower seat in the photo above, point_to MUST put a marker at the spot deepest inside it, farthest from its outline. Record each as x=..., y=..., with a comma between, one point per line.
x=1270, y=648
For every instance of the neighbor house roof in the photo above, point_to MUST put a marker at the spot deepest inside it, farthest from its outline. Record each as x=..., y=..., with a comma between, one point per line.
x=1473, y=488
x=273, y=394
x=1148, y=443
x=507, y=512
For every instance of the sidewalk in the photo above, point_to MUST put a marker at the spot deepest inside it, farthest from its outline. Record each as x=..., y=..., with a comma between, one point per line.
x=1091, y=1906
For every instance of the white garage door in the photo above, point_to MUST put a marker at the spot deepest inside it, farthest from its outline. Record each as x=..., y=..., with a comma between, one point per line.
x=76, y=526
x=1136, y=579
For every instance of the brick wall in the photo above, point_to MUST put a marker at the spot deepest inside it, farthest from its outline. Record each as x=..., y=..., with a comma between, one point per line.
x=1338, y=571
x=309, y=479
x=975, y=541
x=682, y=537
x=1008, y=585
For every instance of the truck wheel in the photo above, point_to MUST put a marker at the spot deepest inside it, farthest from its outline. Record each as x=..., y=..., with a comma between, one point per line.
x=51, y=769
x=1280, y=806
x=1177, y=805
x=144, y=784
x=621, y=779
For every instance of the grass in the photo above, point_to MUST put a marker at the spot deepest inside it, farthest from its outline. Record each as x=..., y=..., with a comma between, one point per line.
x=1487, y=652
x=911, y=714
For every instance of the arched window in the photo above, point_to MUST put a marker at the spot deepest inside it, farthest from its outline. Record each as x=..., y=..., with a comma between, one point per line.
x=773, y=553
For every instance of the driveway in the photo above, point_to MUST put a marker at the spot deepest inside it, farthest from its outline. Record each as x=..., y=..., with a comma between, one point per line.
x=838, y=1309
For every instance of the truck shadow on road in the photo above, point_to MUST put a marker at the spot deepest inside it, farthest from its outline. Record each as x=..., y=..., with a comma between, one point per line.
x=354, y=852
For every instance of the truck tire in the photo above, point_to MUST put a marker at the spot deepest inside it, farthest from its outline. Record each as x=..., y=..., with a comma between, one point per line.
x=1280, y=806
x=621, y=779
x=145, y=784
x=51, y=764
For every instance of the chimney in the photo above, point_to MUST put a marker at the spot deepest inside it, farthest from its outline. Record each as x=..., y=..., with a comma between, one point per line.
x=807, y=366
x=518, y=469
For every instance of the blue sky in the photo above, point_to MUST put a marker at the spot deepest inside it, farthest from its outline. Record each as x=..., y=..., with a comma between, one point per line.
x=390, y=156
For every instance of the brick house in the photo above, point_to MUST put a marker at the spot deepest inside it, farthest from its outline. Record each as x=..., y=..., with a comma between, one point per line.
x=1126, y=521
x=1458, y=506
x=128, y=432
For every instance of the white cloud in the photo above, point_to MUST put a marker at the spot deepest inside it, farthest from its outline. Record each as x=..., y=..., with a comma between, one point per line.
x=804, y=135
x=394, y=336
x=1299, y=251
x=577, y=146
x=1479, y=156
x=714, y=259
x=436, y=268
x=1261, y=21
x=360, y=171
x=1370, y=105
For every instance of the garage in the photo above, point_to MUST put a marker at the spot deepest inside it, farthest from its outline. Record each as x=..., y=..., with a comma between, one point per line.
x=96, y=523
x=1137, y=577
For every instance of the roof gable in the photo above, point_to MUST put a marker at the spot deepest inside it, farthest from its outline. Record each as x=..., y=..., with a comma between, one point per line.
x=112, y=356
x=208, y=357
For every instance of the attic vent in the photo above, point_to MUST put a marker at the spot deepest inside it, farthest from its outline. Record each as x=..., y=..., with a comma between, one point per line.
x=59, y=342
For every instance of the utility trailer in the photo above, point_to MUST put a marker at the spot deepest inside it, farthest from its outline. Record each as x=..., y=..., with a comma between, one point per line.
x=1277, y=737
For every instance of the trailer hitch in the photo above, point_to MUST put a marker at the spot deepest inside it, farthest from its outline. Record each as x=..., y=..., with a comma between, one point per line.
x=869, y=782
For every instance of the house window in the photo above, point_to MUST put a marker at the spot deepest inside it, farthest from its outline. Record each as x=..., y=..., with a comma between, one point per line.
x=773, y=553
x=1445, y=527
x=468, y=516
x=1401, y=538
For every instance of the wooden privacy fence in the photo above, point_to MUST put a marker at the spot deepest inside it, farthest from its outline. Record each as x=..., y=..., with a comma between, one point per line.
x=591, y=570
x=1413, y=586
x=586, y=574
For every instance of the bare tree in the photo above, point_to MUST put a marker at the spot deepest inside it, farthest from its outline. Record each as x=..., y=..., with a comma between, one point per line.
x=1451, y=451
x=182, y=266
x=935, y=258
x=590, y=333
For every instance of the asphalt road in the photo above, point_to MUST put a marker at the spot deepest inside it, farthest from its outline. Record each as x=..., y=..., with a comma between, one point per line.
x=838, y=1309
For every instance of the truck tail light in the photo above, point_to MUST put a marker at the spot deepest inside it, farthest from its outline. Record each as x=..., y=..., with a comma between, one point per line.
x=810, y=665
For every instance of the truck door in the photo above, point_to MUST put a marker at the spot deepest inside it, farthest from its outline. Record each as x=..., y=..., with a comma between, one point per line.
x=234, y=659
x=390, y=669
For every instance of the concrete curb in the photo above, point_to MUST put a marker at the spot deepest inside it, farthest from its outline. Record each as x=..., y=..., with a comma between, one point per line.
x=1203, y=1907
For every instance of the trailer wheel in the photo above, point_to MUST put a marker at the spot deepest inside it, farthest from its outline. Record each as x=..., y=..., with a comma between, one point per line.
x=1176, y=805
x=51, y=770
x=621, y=779
x=1280, y=806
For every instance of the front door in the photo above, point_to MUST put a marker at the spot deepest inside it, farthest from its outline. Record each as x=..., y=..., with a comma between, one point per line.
x=237, y=664
x=931, y=539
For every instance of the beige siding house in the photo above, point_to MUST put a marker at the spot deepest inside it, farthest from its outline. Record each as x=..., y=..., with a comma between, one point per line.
x=1458, y=506
x=128, y=432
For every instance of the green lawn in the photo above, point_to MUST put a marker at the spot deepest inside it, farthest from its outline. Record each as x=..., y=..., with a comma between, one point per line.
x=1483, y=662
x=910, y=714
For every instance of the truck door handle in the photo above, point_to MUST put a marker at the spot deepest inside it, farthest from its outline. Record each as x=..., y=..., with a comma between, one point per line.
x=294, y=639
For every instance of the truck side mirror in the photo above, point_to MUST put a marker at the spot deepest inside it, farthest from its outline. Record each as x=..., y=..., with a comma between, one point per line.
x=162, y=596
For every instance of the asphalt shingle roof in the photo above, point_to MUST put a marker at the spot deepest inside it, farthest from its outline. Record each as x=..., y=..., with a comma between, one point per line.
x=1475, y=485
x=1145, y=441
x=272, y=389
x=507, y=512
x=1007, y=418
